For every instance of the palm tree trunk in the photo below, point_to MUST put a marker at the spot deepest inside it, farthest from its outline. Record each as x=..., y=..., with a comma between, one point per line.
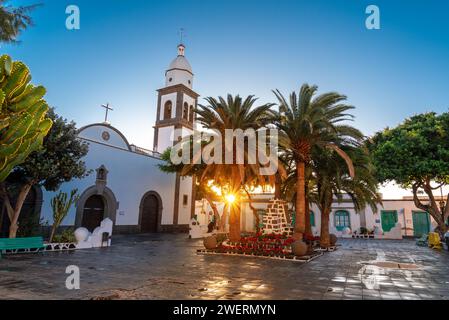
x=300, y=202
x=234, y=222
x=324, y=236
x=234, y=218
x=223, y=219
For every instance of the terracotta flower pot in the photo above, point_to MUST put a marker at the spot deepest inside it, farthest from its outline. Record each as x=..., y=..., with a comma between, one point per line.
x=299, y=248
x=210, y=242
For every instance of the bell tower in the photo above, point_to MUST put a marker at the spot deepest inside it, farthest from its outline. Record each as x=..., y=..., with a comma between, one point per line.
x=175, y=111
x=176, y=103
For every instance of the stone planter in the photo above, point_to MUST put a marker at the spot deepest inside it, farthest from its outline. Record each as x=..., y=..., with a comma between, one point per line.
x=299, y=248
x=210, y=242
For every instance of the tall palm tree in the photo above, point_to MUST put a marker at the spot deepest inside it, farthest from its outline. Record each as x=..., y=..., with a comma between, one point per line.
x=216, y=117
x=332, y=181
x=233, y=113
x=308, y=121
x=13, y=21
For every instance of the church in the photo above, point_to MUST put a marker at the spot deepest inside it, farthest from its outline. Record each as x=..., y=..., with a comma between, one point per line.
x=126, y=184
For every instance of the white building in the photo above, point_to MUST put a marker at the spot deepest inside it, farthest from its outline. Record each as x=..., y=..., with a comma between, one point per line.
x=414, y=222
x=126, y=184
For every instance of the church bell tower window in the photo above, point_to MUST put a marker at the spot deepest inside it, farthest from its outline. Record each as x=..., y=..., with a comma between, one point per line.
x=167, y=110
x=185, y=112
x=191, y=114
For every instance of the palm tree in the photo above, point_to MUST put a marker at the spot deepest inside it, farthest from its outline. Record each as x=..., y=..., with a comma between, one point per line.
x=332, y=180
x=233, y=113
x=216, y=117
x=307, y=121
x=13, y=21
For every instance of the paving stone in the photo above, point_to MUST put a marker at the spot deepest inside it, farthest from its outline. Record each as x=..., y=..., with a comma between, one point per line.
x=166, y=266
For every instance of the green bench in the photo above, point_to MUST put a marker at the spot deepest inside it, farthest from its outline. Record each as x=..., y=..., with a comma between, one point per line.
x=18, y=245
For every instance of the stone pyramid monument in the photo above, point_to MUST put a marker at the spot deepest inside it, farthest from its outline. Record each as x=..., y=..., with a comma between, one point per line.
x=275, y=220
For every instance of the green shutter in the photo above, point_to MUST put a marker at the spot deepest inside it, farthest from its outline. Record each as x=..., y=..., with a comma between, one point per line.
x=389, y=219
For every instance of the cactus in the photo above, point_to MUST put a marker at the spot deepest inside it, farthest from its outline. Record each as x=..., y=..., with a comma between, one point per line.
x=61, y=206
x=23, y=121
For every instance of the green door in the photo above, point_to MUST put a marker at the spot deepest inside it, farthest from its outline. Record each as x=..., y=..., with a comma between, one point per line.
x=421, y=223
x=389, y=219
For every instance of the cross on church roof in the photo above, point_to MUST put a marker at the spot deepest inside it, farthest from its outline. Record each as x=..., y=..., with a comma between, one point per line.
x=107, y=107
x=181, y=35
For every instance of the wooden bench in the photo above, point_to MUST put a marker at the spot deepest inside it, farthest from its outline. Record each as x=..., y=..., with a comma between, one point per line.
x=17, y=245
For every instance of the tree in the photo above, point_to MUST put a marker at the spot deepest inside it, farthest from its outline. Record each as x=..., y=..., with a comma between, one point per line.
x=308, y=121
x=23, y=121
x=233, y=113
x=14, y=20
x=61, y=206
x=415, y=155
x=216, y=117
x=58, y=161
x=331, y=175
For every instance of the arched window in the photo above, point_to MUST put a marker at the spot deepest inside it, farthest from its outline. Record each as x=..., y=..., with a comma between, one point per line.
x=312, y=218
x=167, y=110
x=191, y=114
x=341, y=218
x=185, y=111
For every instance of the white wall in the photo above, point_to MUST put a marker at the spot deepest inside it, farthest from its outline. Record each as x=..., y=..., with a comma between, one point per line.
x=95, y=133
x=184, y=213
x=404, y=210
x=179, y=77
x=130, y=176
x=165, y=138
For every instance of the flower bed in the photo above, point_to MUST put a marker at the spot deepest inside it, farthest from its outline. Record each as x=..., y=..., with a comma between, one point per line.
x=260, y=245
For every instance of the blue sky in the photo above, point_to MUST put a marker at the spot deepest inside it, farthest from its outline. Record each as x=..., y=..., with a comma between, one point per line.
x=248, y=47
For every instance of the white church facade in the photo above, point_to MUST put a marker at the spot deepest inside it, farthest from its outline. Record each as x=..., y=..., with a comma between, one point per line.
x=126, y=184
